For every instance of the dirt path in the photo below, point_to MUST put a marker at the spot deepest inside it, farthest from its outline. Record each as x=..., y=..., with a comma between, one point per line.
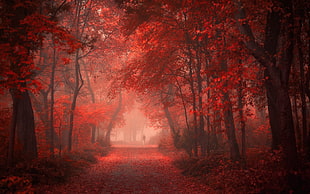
x=131, y=170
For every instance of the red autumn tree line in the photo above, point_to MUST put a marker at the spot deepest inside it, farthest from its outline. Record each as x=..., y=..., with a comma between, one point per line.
x=209, y=64
x=205, y=70
x=54, y=56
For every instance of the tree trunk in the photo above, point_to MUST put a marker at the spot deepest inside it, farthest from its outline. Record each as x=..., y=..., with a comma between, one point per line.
x=297, y=124
x=93, y=133
x=52, y=87
x=287, y=136
x=213, y=126
x=25, y=128
x=111, y=123
x=183, y=104
x=22, y=124
x=174, y=133
x=10, y=160
x=201, y=123
x=229, y=119
x=241, y=117
x=43, y=109
x=191, y=81
x=214, y=140
x=272, y=113
x=230, y=128
x=166, y=101
x=303, y=85
x=195, y=115
x=278, y=38
x=92, y=95
x=77, y=88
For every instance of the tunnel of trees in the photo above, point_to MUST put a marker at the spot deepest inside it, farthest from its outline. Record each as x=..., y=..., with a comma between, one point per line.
x=217, y=76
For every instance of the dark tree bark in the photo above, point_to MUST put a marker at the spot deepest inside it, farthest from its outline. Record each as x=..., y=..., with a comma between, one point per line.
x=272, y=113
x=215, y=129
x=77, y=87
x=170, y=120
x=22, y=124
x=241, y=117
x=78, y=79
x=194, y=99
x=25, y=128
x=12, y=134
x=183, y=104
x=296, y=123
x=300, y=8
x=43, y=110
x=166, y=101
x=174, y=133
x=229, y=121
x=93, y=133
x=230, y=128
x=201, y=122
x=194, y=106
x=52, y=102
x=228, y=114
x=276, y=56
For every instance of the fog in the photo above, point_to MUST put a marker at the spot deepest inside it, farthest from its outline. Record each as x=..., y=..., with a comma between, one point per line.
x=137, y=129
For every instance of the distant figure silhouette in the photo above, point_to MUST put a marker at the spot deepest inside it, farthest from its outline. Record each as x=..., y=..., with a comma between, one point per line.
x=143, y=138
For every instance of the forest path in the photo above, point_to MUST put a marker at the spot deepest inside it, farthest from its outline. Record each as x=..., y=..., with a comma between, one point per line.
x=131, y=170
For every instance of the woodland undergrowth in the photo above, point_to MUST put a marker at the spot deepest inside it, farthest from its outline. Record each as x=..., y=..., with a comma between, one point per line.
x=262, y=172
x=24, y=177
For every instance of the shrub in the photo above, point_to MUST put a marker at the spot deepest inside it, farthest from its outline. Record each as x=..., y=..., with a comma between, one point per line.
x=55, y=170
x=16, y=184
x=46, y=170
x=264, y=173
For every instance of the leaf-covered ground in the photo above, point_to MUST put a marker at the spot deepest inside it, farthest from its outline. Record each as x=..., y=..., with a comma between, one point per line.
x=130, y=170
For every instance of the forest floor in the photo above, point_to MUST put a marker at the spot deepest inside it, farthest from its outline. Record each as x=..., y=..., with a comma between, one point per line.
x=130, y=170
